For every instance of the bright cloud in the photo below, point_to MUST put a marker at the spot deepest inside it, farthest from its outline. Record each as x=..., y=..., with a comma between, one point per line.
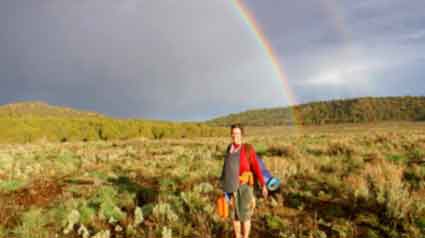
x=348, y=67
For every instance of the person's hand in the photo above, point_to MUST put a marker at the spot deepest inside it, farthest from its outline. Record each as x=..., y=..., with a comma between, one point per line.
x=265, y=192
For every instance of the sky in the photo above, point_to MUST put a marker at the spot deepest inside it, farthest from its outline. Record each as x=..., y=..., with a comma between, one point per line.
x=196, y=60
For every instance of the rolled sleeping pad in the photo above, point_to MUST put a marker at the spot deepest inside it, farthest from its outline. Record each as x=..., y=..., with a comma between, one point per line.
x=272, y=183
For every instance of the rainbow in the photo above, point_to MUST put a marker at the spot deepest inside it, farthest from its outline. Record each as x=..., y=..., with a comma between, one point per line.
x=332, y=9
x=263, y=42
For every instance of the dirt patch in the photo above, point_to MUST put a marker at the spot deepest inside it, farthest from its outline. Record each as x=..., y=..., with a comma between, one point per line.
x=39, y=193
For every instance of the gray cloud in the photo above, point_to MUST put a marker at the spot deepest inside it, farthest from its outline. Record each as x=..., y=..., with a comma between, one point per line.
x=349, y=48
x=195, y=60
x=166, y=59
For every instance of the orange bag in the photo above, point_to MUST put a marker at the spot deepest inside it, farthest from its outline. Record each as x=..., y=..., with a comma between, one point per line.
x=248, y=178
x=222, y=207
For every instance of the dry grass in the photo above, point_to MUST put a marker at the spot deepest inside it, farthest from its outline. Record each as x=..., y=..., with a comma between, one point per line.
x=344, y=181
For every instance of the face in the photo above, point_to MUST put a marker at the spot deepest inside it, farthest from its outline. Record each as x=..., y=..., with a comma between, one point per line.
x=236, y=135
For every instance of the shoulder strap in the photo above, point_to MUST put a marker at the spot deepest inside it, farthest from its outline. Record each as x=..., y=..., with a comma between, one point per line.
x=248, y=149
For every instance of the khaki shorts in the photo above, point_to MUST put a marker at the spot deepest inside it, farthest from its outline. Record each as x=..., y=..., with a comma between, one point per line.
x=243, y=203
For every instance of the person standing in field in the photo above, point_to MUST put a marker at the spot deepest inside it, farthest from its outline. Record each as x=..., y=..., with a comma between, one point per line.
x=239, y=168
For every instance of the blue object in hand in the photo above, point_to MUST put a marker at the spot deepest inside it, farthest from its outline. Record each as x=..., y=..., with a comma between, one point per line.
x=272, y=183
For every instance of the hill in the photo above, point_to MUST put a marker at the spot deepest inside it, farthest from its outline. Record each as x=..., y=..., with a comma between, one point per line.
x=28, y=122
x=357, y=110
x=42, y=109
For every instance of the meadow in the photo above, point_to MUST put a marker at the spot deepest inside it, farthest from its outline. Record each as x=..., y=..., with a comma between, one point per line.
x=337, y=181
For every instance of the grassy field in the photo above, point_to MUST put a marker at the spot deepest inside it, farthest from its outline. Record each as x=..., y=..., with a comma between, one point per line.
x=338, y=181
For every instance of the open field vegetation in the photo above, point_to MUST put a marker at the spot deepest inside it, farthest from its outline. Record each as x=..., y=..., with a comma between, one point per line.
x=36, y=129
x=345, y=181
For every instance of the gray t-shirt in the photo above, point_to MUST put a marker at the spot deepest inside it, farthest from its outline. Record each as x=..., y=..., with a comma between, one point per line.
x=230, y=173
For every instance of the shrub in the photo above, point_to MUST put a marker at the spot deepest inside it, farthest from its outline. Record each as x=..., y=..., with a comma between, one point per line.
x=163, y=213
x=275, y=223
x=11, y=185
x=166, y=232
x=158, y=133
x=357, y=187
x=87, y=213
x=3, y=232
x=396, y=158
x=341, y=148
x=386, y=180
x=138, y=216
x=72, y=219
x=102, y=234
x=33, y=225
x=284, y=150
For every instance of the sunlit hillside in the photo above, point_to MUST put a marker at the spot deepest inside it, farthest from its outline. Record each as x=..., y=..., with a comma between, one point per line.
x=30, y=122
x=357, y=110
x=42, y=109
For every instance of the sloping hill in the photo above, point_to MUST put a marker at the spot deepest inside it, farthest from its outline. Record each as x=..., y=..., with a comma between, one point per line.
x=28, y=122
x=357, y=110
x=42, y=109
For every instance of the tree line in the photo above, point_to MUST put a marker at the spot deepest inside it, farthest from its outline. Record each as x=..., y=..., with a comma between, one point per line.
x=55, y=129
x=358, y=110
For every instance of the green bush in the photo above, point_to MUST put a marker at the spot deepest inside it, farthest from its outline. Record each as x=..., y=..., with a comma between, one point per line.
x=58, y=129
x=32, y=225
x=11, y=185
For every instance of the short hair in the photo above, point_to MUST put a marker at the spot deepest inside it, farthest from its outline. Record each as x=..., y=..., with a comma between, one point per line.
x=237, y=125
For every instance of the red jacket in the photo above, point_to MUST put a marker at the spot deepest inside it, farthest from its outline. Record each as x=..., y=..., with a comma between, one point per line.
x=245, y=165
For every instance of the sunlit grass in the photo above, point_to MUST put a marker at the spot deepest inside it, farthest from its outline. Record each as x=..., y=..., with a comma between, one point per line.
x=336, y=182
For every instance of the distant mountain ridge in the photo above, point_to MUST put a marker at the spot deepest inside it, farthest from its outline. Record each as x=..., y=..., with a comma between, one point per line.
x=355, y=110
x=42, y=109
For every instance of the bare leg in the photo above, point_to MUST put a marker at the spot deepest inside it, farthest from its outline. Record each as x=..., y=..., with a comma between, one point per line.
x=246, y=228
x=237, y=229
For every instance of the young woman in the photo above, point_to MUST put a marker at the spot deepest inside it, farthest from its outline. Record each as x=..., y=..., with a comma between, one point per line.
x=239, y=168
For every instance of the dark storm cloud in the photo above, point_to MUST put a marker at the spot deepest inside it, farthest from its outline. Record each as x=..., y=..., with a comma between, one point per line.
x=198, y=59
x=157, y=59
